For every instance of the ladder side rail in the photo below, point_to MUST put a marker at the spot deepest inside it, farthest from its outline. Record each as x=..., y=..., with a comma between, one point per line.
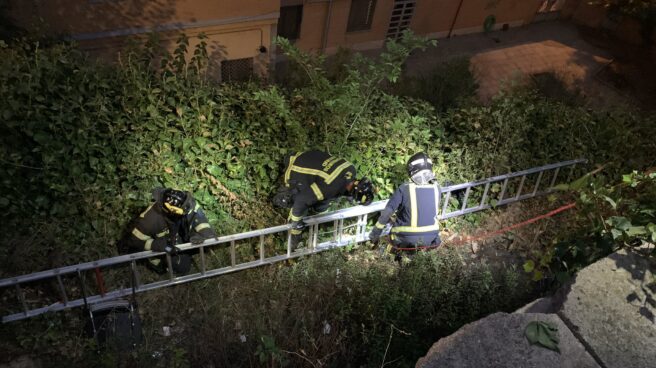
x=534, y=170
x=59, y=306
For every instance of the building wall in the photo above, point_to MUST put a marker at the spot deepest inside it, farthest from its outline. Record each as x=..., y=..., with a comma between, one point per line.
x=432, y=18
x=512, y=12
x=235, y=29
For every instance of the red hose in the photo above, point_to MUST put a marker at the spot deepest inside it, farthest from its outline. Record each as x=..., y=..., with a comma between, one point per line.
x=500, y=231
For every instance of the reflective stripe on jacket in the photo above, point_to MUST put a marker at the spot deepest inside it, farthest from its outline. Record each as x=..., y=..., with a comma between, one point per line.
x=416, y=208
x=319, y=178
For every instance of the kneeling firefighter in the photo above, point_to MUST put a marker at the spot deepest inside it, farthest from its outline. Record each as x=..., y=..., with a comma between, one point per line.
x=416, y=205
x=314, y=179
x=174, y=218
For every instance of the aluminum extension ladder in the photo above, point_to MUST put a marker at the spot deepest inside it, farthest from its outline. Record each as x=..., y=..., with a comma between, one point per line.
x=345, y=226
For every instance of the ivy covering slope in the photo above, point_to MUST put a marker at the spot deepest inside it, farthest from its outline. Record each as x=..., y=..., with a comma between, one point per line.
x=84, y=144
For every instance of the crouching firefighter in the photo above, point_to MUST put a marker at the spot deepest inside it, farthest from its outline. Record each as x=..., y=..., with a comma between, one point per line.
x=416, y=205
x=174, y=218
x=314, y=179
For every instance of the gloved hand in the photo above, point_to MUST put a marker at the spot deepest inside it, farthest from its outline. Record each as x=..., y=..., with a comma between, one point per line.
x=197, y=239
x=172, y=250
x=374, y=235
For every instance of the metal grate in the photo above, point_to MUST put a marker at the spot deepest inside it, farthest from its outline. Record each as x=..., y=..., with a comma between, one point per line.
x=400, y=19
x=237, y=70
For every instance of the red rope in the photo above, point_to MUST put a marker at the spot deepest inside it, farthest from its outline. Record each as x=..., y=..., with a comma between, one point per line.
x=500, y=231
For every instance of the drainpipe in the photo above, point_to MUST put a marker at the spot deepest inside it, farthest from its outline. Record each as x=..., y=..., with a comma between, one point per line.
x=327, y=27
x=455, y=18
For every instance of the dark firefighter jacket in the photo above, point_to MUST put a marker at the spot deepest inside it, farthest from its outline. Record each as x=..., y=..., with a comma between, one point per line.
x=153, y=229
x=416, y=208
x=318, y=179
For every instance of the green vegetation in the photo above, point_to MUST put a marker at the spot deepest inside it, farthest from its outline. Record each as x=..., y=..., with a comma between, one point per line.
x=83, y=144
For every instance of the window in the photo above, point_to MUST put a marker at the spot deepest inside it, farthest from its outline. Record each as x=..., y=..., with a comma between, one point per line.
x=361, y=15
x=400, y=19
x=289, y=24
x=236, y=70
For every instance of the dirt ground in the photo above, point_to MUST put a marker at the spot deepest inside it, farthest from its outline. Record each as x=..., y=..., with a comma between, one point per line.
x=605, y=71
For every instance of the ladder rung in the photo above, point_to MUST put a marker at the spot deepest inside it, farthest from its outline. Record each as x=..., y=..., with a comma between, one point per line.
x=521, y=186
x=445, y=207
x=503, y=190
x=553, y=180
x=21, y=298
x=537, y=183
x=465, y=199
x=233, y=257
x=487, y=188
x=262, y=248
x=62, y=290
x=201, y=250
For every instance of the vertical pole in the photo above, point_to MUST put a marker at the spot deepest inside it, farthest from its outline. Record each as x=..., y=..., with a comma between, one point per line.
x=335, y=231
x=364, y=226
x=455, y=18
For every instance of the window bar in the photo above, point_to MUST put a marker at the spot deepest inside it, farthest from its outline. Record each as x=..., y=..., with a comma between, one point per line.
x=62, y=290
